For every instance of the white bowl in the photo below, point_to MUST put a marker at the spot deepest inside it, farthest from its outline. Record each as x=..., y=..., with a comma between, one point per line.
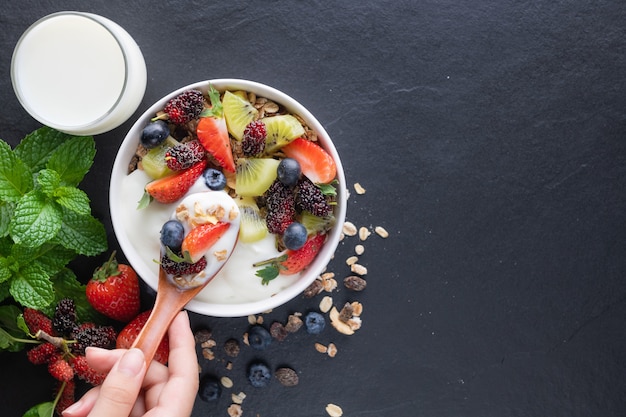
x=146, y=270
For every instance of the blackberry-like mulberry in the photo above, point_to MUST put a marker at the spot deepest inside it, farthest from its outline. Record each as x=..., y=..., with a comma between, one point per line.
x=97, y=336
x=41, y=354
x=281, y=208
x=64, y=319
x=185, y=107
x=36, y=320
x=184, y=155
x=311, y=198
x=182, y=268
x=253, y=141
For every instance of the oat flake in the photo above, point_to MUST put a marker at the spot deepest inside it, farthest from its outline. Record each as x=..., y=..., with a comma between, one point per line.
x=334, y=410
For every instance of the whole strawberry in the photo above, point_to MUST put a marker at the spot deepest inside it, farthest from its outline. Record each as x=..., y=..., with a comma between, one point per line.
x=127, y=336
x=114, y=291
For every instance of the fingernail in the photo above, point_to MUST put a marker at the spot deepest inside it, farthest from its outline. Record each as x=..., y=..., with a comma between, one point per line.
x=132, y=362
x=72, y=409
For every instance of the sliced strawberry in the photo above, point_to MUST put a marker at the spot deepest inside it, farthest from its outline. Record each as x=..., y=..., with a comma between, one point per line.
x=212, y=133
x=299, y=259
x=129, y=333
x=173, y=187
x=314, y=161
x=200, y=239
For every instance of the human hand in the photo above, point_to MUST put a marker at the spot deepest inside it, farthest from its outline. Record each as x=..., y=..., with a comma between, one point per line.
x=132, y=389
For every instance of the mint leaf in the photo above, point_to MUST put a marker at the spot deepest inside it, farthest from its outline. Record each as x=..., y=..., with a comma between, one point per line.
x=35, y=221
x=51, y=257
x=48, y=181
x=15, y=177
x=6, y=212
x=41, y=410
x=82, y=233
x=6, y=271
x=32, y=287
x=4, y=290
x=74, y=199
x=37, y=147
x=73, y=159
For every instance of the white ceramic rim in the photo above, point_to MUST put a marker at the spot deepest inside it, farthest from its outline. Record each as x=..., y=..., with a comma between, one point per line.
x=128, y=147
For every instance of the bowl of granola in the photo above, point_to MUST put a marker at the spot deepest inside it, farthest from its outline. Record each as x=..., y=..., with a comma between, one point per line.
x=266, y=151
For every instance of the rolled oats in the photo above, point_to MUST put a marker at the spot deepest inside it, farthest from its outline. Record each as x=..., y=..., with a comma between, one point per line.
x=364, y=233
x=349, y=229
x=357, y=308
x=352, y=260
x=339, y=325
x=235, y=410
x=238, y=398
x=226, y=382
x=321, y=348
x=326, y=304
x=359, y=188
x=359, y=249
x=333, y=410
x=358, y=269
x=380, y=231
x=332, y=350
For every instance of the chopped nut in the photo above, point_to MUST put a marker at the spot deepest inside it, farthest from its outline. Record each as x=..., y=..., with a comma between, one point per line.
x=326, y=304
x=359, y=188
x=358, y=269
x=226, y=382
x=333, y=410
x=235, y=410
x=208, y=354
x=231, y=347
x=294, y=323
x=238, y=398
x=380, y=231
x=359, y=249
x=364, y=233
x=321, y=348
x=352, y=260
x=349, y=229
x=354, y=283
x=287, y=376
x=278, y=331
x=313, y=289
x=332, y=350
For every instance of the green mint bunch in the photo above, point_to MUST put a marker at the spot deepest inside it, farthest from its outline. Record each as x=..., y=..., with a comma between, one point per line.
x=45, y=219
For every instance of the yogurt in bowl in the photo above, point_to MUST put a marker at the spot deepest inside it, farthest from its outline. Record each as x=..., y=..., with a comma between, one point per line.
x=240, y=288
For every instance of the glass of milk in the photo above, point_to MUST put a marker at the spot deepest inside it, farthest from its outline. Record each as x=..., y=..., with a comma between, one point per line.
x=79, y=73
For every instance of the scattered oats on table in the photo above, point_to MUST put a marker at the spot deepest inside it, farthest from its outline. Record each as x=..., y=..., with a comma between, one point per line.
x=235, y=410
x=226, y=382
x=334, y=410
x=349, y=229
x=358, y=269
x=326, y=304
x=381, y=231
x=359, y=188
x=364, y=233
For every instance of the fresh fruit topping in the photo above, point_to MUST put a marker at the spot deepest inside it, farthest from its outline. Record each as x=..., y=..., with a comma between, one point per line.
x=259, y=374
x=179, y=266
x=289, y=171
x=281, y=130
x=173, y=187
x=210, y=388
x=315, y=224
x=129, y=333
x=214, y=179
x=255, y=175
x=184, y=155
x=172, y=234
x=316, y=163
x=113, y=290
x=97, y=336
x=41, y=354
x=154, y=134
x=36, y=321
x=153, y=163
x=252, y=226
x=295, y=236
x=200, y=239
x=185, y=107
x=314, y=322
x=281, y=208
x=254, y=136
x=259, y=337
x=213, y=133
x=84, y=371
x=292, y=261
x=64, y=319
x=311, y=198
x=60, y=369
x=238, y=113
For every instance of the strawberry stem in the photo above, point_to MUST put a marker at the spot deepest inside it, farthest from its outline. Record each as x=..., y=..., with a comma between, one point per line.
x=108, y=269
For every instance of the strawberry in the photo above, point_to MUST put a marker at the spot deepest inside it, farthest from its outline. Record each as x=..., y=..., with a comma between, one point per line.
x=212, y=132
x=86, y=372
x=200, y=239
x=129, y=333
x=292, y=261
x=114, y=290
x=36, y=320
x=314, y=161
x=173, y=187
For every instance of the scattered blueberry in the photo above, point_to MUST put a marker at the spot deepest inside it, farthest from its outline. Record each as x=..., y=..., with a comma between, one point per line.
x=210, y=388
x=154, y=134
x=294, y=236
x=259, y=375
x=259, y=337
x=172, y=234
x=314, y=322
x=214, y=179
x=289, y=171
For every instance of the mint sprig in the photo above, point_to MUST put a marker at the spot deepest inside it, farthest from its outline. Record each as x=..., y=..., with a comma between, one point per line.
x=46, y=219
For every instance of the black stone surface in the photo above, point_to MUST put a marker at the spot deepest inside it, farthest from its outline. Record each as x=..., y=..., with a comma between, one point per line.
x=491, y=138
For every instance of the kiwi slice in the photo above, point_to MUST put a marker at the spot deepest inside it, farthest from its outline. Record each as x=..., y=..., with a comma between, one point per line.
x=252, y=226
x=253, y=176
x=281, y=130
x=238, y=113
x=153, y=163
x=314, y=224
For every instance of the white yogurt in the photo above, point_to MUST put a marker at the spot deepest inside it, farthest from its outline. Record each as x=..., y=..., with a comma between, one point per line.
x=236, y=283
x=79, y=73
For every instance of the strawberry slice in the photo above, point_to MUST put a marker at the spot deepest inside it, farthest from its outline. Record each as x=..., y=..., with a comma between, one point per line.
x=173, y=187
x=200, y=239
x=314, y=161
x=299, y=259
x=212, y=132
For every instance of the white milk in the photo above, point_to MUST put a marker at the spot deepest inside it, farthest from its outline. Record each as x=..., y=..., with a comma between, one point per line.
x=78, y=72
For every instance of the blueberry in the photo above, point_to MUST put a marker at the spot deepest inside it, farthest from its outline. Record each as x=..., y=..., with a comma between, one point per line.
x=295, y=236
x=214, y=179
x=258, y=337
x=172, y=234
x=314, y=322
x=289, y=171
x=154, y=134
x=210, y=388
x=259, y=374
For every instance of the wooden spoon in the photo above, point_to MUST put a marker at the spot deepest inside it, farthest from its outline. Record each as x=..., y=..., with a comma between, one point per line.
x=172, y=297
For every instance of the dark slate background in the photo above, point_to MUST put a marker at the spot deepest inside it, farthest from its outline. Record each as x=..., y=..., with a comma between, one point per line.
x=490, y=136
